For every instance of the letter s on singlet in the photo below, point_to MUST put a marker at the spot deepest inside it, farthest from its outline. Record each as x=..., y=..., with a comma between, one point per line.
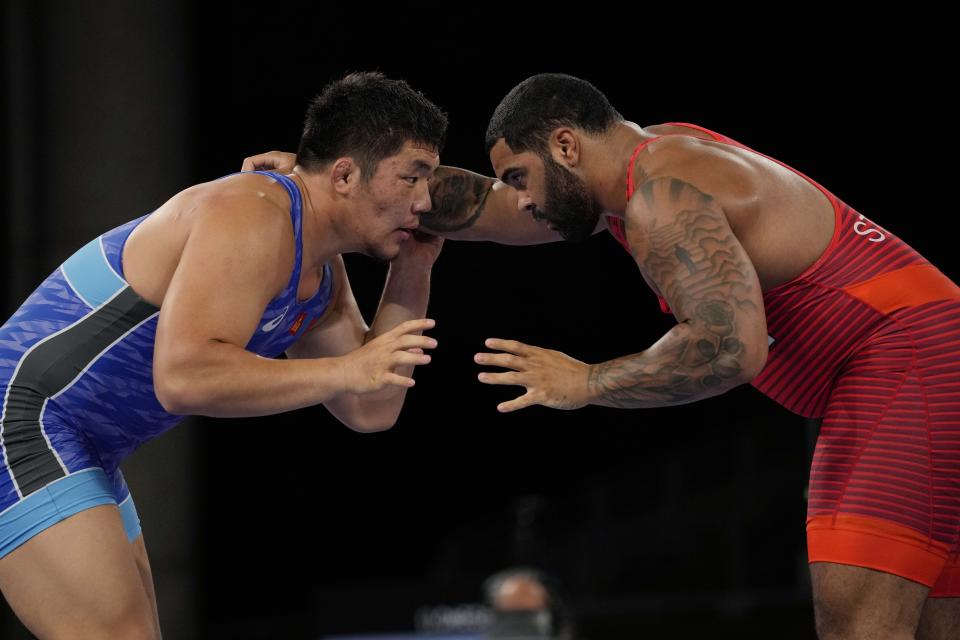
x=861, y=229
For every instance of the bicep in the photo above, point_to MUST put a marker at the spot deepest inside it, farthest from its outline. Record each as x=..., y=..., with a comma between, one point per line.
x=341, y=329
x=683, y=243
x=225, y=277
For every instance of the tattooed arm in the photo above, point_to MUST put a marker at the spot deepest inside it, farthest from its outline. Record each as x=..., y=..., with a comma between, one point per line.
x=470, y=206
x=684, y=245
x=685, y=248
x=466, y=205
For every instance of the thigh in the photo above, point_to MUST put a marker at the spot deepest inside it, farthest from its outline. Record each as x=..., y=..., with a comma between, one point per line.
x=940, y=619
x=139, y=549
x=883, y=491
x=854, y=602
x=941, y=614
x=131, y=526
x=78, y=579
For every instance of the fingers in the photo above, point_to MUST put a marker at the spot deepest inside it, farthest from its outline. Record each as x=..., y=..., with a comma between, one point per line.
x=510, y=377
x=401, y=358
x=522, y=402
x=415, y=341
x=411, y=326
x=398, y=380
x=260, y=162
x=271, y=161
x=510, y=346
x=505, y=360
x=515, y=357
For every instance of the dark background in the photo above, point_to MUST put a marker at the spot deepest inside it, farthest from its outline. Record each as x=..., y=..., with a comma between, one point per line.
x=681, y=521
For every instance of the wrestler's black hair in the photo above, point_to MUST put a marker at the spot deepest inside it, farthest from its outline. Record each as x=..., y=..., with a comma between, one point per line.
x=368, y=117
x=540, y=104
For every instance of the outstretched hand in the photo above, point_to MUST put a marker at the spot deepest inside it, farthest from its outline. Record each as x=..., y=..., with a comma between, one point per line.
x=374, y=365
x=551, y=378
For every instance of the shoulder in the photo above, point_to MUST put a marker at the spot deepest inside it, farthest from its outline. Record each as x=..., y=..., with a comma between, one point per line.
x=241, y=223
x=252, y=208
x=715, y=169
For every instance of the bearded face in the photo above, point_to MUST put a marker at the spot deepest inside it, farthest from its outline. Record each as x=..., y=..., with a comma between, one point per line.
x=569, y=208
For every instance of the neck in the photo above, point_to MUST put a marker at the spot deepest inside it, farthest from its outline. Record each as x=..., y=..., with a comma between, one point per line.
x=611, y=155
x=325, y=232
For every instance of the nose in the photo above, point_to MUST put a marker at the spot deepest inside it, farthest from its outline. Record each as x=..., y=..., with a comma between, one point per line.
x=422, y=202
x=525, y=202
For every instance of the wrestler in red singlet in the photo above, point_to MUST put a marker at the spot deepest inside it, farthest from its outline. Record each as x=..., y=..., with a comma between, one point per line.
x=868, y=339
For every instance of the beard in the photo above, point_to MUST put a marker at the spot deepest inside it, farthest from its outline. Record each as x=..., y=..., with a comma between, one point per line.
x=569, y=207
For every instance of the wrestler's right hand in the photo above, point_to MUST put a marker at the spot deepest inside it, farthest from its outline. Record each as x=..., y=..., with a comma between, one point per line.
x=373, y=366
x=279, y=161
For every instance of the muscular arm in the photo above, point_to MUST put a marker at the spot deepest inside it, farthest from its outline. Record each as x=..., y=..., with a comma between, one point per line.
x=466, y=205
x=227, y=273
x=470, y=206
x=343, y=329
x=684, y=245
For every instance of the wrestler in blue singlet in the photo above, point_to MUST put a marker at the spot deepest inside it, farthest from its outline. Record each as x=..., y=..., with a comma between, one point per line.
x=76, y=381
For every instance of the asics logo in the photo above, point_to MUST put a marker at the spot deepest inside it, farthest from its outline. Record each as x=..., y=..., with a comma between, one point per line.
x=273, y=324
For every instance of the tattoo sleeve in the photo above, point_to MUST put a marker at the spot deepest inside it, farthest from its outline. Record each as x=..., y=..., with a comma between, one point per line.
x=458, y=197
x=683, y=244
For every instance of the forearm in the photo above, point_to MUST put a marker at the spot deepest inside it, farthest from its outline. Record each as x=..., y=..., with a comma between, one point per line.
x=470, y=206
x=684, y=366
x=406, y=293
x=459, y=198
x=225, y=381
x=405, y=297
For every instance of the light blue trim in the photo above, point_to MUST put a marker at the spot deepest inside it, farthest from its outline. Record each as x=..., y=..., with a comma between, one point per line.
x=131, y=519
x=55, y=502
x=91, y=276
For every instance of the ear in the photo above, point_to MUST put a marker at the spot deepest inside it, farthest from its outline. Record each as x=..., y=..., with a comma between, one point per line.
x=345, y=175
x=565, y=146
